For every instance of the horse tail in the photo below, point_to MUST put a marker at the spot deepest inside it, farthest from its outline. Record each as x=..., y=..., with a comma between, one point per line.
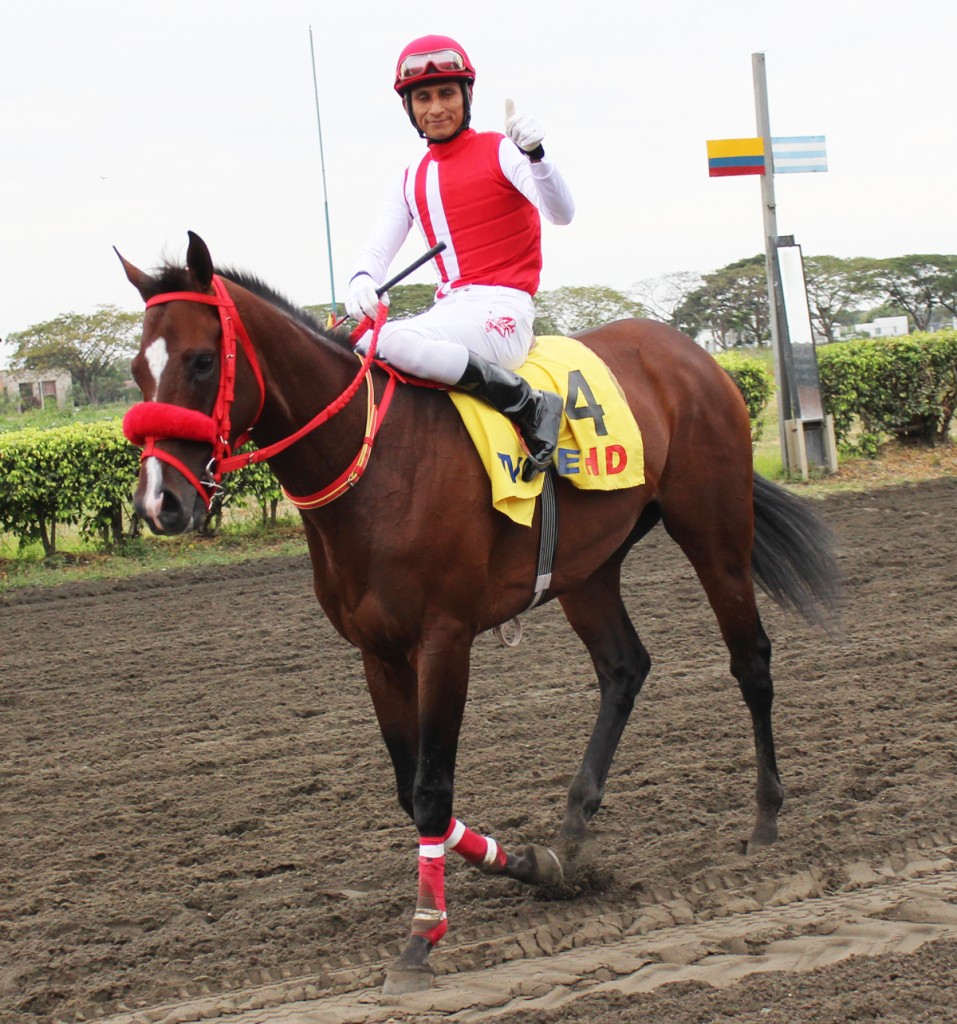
x=793, y=558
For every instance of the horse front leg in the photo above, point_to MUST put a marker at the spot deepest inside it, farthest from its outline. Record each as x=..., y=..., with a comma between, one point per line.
x=393, y=688
x=419, y=706
x=439, y=699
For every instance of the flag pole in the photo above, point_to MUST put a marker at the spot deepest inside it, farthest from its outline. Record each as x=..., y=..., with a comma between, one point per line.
x=769, y=209
x=322, y=161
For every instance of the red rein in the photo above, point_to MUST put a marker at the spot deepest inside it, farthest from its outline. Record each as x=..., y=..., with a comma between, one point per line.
x=148, y=423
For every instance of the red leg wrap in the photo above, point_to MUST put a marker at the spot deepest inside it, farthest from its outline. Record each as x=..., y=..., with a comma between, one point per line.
x=483, y=851
x=431, y=921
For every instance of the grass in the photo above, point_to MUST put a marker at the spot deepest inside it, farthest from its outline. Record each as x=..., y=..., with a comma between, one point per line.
x=241, y=540
x=51, y=416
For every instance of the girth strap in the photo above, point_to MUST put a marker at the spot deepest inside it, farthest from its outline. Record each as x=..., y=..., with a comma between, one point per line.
x=547, y=543
x=549, y=538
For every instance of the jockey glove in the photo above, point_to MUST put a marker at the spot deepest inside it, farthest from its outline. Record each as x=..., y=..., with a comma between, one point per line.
x=362, y=300
x=526, y=133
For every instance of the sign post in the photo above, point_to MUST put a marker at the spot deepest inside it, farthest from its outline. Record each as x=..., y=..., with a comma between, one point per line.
x=798, y=384
x=769, y=213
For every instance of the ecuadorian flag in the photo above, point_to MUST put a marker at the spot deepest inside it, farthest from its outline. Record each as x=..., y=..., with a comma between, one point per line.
x=735, y=156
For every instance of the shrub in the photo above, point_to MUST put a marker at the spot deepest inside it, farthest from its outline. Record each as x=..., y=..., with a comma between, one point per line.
x=755, y=382
x=903, y=386
x=68, y=475
x=83, y=474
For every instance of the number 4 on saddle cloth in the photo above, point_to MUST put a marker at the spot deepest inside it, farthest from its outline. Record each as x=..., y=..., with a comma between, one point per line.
x=599, y=445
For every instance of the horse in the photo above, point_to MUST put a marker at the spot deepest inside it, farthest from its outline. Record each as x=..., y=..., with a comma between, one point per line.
x=411, y=563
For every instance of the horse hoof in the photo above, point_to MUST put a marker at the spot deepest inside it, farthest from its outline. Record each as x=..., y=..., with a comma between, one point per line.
x=412, y=971
x=536, y=865
x=763, y=836
x=548, y=865
x=400, y=981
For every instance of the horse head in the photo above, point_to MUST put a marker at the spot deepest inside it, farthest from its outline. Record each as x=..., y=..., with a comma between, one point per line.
x=196, y=406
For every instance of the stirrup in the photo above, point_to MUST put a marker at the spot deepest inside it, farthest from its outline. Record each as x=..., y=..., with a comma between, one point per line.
x=531, y=467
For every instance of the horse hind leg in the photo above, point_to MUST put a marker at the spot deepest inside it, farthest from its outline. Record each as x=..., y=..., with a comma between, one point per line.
x=718, y=545
x=597, y=613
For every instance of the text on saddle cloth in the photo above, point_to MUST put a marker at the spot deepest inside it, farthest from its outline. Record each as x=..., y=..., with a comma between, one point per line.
x=599, y=445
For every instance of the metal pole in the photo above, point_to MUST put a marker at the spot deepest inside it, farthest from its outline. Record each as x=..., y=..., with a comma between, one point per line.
x=322, y=161
x=769, y=210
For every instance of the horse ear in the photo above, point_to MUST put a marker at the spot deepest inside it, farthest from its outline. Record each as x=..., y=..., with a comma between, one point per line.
x=198, y=261
x=141, y=281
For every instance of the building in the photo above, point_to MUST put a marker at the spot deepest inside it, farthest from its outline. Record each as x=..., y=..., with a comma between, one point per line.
x=884, y=327
x=35, y=389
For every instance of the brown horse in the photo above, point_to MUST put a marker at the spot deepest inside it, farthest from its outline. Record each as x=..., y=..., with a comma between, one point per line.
x=415, y=563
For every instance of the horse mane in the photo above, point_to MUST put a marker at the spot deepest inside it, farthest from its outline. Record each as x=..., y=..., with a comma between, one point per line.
x=173, y=278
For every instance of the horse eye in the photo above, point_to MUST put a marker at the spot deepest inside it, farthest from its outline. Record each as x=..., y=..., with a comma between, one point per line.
x=203, y=362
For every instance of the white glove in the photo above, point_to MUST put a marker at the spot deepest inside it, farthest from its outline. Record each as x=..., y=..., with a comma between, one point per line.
x=524, y=131
x=362, y=300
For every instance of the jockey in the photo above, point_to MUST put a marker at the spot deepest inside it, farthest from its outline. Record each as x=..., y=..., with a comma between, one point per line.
x=481, y=193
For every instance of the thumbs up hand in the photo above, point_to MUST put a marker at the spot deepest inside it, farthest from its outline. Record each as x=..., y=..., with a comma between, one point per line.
x=524, y=131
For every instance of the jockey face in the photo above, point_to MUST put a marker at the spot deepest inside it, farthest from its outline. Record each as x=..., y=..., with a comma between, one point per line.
x=438, y=108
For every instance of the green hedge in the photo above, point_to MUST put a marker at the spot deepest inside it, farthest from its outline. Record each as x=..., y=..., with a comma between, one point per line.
x=83, y=475
x=903, y=386
x=755, y=382
x=78, y=475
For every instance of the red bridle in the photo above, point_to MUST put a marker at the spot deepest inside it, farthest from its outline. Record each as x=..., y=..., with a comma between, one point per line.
x=148, y=423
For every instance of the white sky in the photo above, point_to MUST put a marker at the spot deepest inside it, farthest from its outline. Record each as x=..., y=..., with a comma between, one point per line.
x=127, y=123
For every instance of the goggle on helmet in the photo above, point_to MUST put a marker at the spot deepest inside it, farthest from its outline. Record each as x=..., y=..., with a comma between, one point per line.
x=431, y=59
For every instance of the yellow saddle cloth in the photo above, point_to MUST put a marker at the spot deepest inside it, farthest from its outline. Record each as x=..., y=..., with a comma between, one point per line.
x=599, y=445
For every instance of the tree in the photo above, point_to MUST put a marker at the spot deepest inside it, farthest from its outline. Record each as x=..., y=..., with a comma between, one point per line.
x=94, y=348
x=836, y=289
x=405, y=300
x=732, y=303
x=917, y=285
x=664, y=297
x=569, y=309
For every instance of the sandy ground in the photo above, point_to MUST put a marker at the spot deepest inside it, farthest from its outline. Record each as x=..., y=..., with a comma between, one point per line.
x=197, y=815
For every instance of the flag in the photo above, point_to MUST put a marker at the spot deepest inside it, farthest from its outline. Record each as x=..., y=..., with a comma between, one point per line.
x=794, y=154
x=735, y=156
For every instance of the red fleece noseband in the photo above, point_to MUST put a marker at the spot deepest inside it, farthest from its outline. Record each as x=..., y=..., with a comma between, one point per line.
x=160, y=420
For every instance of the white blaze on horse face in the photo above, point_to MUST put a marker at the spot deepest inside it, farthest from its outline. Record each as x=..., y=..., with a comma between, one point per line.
x=157, y=356
x=153, y=491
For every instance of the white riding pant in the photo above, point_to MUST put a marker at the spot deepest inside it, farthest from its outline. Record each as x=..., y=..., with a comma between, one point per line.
x=490, y=321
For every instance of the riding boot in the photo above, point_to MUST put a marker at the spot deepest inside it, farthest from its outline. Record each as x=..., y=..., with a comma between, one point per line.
x=537, y=414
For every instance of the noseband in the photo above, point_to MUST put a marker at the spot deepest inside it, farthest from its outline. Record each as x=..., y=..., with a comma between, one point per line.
x=148, y=423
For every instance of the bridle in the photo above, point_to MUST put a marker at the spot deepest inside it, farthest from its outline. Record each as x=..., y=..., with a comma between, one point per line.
x=146, y=424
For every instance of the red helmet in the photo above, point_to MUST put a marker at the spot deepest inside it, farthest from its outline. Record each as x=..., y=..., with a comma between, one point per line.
x=432, y=59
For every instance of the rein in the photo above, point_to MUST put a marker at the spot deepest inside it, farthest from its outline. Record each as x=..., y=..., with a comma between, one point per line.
x=148, y=423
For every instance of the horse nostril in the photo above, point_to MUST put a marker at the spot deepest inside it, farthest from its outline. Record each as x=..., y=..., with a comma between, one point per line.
x=171, y=514
x=170, y=504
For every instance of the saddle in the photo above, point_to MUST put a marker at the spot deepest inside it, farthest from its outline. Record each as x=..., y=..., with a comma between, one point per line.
x=599, y=444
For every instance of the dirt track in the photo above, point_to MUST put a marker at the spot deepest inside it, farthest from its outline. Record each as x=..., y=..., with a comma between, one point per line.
x=197, y=814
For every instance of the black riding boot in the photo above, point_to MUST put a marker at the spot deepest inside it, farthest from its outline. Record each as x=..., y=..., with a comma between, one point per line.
x=537, y=414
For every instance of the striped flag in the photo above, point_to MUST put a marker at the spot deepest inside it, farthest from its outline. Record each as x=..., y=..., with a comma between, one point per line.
x=735, y=156
x=795, y=154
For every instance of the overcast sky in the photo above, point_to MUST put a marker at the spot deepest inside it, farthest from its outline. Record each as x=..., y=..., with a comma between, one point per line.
x=127, y=124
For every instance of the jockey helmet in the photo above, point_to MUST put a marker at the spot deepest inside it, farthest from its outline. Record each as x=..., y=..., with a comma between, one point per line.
x=432, y=59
